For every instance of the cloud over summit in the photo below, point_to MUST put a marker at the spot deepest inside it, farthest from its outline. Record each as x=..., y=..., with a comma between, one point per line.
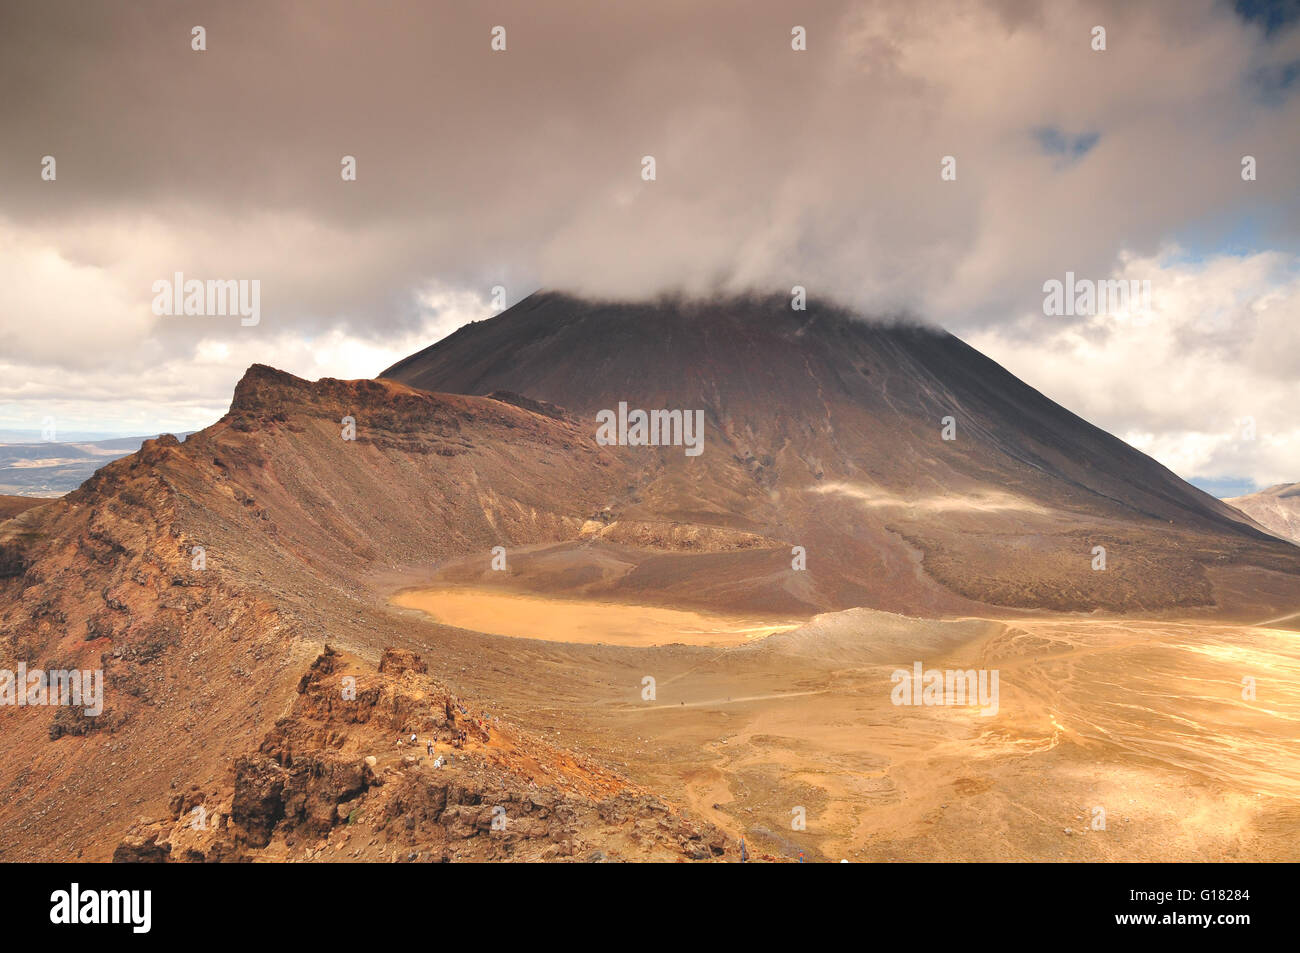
x=522, y=168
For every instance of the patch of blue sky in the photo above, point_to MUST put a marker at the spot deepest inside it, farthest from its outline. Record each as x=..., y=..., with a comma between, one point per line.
x=1224, y=487
x=1063, y=146
x=1237, y=233
x=1272, y=16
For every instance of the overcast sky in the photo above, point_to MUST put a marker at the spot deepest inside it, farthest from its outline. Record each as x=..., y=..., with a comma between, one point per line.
x=774, y=167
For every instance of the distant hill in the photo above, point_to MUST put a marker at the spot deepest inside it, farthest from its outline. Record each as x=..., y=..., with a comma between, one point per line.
x=1277, y=509
x=13, y=505
x=44, y=468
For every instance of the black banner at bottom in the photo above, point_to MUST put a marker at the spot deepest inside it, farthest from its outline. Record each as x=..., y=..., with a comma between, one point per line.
x=143, y=903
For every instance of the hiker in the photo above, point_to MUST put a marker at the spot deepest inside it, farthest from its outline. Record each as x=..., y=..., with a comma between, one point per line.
x=429, y=746
x=744, y=854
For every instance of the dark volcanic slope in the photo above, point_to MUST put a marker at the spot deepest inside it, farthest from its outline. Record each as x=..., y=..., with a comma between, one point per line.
x=824, y=431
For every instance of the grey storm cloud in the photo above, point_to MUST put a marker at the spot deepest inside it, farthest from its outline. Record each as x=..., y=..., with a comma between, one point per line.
x=523, y=168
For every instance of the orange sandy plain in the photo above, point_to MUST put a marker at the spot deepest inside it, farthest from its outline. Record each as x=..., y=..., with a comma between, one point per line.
x=594, y=623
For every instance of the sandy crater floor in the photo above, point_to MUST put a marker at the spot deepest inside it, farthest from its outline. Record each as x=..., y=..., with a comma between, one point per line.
x=758, y=722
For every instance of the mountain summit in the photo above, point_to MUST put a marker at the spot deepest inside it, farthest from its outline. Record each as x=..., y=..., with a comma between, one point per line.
x=917, y=474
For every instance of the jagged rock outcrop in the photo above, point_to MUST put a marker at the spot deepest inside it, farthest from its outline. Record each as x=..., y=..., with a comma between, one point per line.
x=340, y=778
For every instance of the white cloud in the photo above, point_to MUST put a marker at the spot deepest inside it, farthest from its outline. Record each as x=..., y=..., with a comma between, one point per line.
x=1207, y=384
x=132, y=383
